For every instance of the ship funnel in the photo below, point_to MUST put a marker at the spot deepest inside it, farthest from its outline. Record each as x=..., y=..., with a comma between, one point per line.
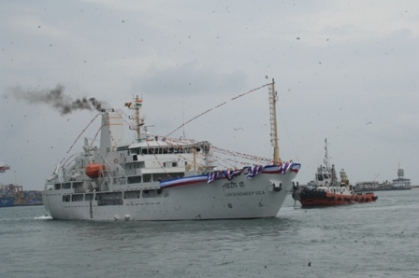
x=111, y=135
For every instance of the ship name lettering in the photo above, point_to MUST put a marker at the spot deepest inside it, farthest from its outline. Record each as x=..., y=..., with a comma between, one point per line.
x=230, y=185
x=246, y=193
x=235, y=194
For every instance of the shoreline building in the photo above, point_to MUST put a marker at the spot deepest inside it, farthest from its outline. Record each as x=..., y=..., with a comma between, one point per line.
x=401, y=182
x=397, y=184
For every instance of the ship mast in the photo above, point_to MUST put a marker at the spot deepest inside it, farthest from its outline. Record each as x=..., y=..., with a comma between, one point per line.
x=326, y=160
x=274, y=126
x=138, y=122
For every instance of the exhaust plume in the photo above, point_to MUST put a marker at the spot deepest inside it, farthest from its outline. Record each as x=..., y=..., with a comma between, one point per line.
x=57, y=99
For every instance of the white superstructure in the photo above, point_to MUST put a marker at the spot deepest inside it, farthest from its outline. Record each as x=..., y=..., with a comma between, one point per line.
x=162, y=179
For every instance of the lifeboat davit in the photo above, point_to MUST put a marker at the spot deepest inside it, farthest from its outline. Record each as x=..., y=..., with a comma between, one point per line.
x=93, y=170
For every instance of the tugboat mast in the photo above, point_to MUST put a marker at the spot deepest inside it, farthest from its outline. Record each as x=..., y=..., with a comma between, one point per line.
x=326, y=160
x=274, y=126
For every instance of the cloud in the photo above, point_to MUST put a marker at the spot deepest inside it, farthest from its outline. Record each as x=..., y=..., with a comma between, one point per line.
x=189, y=79
x=403, y=129
x=354, y=62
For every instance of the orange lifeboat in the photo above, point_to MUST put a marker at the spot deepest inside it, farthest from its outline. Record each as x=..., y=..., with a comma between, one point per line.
x=93, y=170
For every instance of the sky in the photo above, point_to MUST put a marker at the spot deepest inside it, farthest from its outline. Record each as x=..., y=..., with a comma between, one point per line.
x=347, y=71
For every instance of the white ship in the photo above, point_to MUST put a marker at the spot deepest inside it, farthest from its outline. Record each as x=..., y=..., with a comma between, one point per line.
x=157, y=178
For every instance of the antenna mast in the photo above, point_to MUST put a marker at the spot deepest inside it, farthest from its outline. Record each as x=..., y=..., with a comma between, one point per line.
x=326, y=160
x=138, y=122
x=183, y=122
x=274, y=126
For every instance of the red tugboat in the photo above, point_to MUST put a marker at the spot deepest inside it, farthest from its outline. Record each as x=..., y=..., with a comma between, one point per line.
x=327, y=190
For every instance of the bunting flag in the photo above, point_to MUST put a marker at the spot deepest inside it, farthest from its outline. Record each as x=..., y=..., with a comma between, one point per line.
x=227, y=174
x=282, y=168
x=295, y=167
x=217, y=106
x=213, y=176
x=230, y=174
x=274, y=169
x=253, y=171
x=286, y=167
x=183, y=181
x=260, y=160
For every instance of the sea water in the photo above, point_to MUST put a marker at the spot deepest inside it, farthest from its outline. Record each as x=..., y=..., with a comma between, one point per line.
x=378, y=239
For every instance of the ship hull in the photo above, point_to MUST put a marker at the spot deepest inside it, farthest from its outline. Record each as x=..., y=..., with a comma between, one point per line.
x=338, y=199
x=238, y=198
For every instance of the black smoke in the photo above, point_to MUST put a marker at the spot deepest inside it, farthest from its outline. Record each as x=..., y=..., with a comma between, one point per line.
x=56, y=98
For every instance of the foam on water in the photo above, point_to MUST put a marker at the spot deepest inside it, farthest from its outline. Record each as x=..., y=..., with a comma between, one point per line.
x=43, y=217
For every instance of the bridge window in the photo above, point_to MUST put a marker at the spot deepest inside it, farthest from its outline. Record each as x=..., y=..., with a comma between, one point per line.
x=77, y=198
x=88, y=197
x=136, y=179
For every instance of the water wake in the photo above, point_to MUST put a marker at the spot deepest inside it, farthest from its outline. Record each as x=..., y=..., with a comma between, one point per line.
x=43, y=217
